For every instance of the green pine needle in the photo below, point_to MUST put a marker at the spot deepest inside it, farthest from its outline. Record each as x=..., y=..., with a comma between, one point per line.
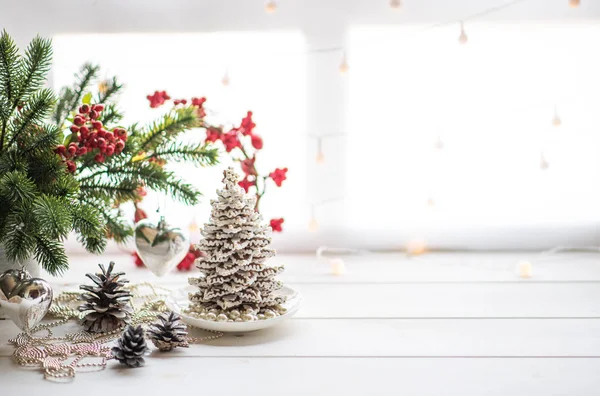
x=53, y=216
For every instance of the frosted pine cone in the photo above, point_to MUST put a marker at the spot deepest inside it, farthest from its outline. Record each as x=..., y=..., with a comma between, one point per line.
x=106, y=306
x=169, y=333
x=131, y=347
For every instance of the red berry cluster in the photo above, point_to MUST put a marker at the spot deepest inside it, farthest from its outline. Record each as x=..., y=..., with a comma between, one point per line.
x=158, y=98
x=88, y=134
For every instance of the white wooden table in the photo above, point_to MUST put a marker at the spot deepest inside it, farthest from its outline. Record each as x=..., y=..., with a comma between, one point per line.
x=437, y=324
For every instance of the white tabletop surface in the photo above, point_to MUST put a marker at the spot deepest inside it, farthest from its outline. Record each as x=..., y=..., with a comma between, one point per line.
x=436, y=324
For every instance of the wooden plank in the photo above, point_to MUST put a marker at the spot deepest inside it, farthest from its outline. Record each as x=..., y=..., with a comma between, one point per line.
x=386, y=268
x=471, y=300
x=168, y=373
x=447, y=300
x=400, y=338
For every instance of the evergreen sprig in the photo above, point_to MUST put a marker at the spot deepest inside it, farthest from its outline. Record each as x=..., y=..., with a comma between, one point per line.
x=37, y=209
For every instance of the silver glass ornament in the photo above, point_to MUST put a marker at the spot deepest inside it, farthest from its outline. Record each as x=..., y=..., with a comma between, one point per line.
x=160, y=246
x=25, y=300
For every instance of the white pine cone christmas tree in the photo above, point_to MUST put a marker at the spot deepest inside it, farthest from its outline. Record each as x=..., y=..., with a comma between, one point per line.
x=169, y=333
x=237, y=284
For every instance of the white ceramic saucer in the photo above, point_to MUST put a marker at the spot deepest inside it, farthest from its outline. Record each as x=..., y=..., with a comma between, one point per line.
x=178, y=301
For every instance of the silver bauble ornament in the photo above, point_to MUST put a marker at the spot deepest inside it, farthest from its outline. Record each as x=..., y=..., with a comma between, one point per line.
x=25, y=300
x=160, y=246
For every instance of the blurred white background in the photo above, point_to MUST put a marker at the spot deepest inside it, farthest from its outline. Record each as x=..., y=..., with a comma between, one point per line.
x=424, y=139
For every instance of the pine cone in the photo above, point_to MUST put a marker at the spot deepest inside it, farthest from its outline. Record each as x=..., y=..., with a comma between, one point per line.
x=106, y=306
x=131, y=347
x=169, y=334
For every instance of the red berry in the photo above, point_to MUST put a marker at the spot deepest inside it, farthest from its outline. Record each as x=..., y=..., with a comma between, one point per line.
x=101, y=142
x=96, y=124
x=119, y=146
x=84, y=129
x=71, y=166
x=110, y=149
x=183, y=101
x=101, y=132
x=109, y=136
x=94, y=114
x=84, y=109
x=61, y=149
x=98, y=107
x=81, y=151
x=78, y=120
x=257, y=142
x=74, y=128
x=72, y=149
x=99, y=158
x=176, y=102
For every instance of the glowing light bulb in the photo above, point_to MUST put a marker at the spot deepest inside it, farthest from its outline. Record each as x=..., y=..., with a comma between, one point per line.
x=438, y=145
x=320, y=158
x=337, y=266
x=225, y=80
x=313, y=225
x=462, y=39
x=556, y=119
x=430, y=202
x=270, y=7
x=102, y=87
x=524, y=269
x=574, y=3
x=396, y=4
x=344, y=67
x=415, y=247
x=543, y=162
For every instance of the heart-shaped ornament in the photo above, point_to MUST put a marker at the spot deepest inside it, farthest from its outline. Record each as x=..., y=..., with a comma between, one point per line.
x=25, y=300
x=160, y=246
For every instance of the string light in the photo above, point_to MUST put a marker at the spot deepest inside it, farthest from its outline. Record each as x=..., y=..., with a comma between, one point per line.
x=415, y=247
x=430, y=202
x=524, y=269
x=270, y=7
x=396, y=4
x=556, y=119
x=344, y=67
x=574, y=3
x=337, y=266
x=462, y=39
x=102, y=87
x=313, y=225
x=320, y=157
x=225, y=80
x=543, y=162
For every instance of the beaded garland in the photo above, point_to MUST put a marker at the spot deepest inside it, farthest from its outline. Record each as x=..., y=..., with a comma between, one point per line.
x=61, y=357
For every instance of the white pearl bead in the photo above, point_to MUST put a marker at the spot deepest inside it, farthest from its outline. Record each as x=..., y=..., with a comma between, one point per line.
x=234, y=313
x=238, y=320
x=211, y=316
x=247, y=317
x=222, y=317
x=261, y=317
x=270, y=314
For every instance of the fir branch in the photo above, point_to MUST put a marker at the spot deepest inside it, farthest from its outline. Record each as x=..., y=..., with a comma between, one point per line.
x=51, y=255
x=89, y=224
x=12, y=160
x=72, y=96
x=111, y=115
x=44, y=138
x=17, y=189
x=9, y=79
x=198, y=154
x=116, y=226
x=126, y=190
x=33, y=114
x=35, y=65
x=152, y=175
x=112, y=87
x=18, y=237
x=168, y=127
x=53, y=216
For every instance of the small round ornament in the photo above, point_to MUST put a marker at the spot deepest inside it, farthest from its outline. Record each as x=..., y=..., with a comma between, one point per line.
x=25, y=300
x=160, y=246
